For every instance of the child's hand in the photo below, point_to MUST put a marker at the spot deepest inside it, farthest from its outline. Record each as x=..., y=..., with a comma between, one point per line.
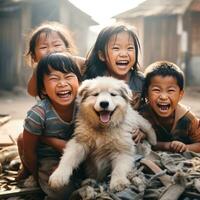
x=138, y=136
x=178, y=147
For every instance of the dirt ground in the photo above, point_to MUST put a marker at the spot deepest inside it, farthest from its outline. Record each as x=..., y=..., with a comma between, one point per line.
x=18, y=102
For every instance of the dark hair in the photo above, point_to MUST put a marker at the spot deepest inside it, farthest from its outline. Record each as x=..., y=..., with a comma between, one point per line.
x=58, y=61
x=163, y=68
x=96, y=67
x=48, y=28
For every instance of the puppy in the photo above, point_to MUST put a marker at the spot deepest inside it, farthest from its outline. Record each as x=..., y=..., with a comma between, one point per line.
x=102, y=136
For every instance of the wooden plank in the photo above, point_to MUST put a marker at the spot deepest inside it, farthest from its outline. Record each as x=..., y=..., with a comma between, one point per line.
x=19, y=192
x=165, y=179
x=5, y=141
x=4, y=118
x=10, y=131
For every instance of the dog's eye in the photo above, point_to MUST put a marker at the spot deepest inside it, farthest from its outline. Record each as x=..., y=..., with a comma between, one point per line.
x=113, y=94
x=95, y=94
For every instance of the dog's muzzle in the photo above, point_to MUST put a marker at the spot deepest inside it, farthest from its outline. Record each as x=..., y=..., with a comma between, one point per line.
x=105, y=114
x=104, y=104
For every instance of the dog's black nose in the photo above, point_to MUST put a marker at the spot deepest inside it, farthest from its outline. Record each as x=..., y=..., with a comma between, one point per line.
x=104, y=104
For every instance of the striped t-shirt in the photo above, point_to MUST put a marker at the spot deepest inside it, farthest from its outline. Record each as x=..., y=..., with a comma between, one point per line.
x=42, y=120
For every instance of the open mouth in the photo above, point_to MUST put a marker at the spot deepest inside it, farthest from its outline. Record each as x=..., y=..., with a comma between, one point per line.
x=164, y=107
x=64, y=94
x=122, y=63
x=105, y=115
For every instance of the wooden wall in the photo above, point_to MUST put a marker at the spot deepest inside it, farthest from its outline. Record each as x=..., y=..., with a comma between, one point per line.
x=10, y=47
x=17, y=19
x=160, y=39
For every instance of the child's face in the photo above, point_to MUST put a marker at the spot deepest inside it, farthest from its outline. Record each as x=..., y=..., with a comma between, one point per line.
x=61, y=88
x=164, y=95
x=47, y=44
x=120, y=55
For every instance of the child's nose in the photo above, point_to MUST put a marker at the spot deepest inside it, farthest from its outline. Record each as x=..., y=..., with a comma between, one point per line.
x=52, y=50
x=163, y=95
x=123, y=52
x=62, y=83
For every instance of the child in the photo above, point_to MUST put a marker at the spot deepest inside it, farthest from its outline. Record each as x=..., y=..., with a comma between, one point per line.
x=115, y=53
x=46, y=38
x=176, y=127
x=58, y=79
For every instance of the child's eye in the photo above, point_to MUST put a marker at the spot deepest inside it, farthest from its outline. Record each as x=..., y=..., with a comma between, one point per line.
x=131, y=48
x=171, y=90
x=53, y=77
x=115, y=48
x=43, y=47
x=70, y=76
x=155, y=90
x=58, y=45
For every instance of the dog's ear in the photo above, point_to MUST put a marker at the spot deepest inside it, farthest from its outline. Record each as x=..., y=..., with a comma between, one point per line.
x=82, y=91
x=126, y=92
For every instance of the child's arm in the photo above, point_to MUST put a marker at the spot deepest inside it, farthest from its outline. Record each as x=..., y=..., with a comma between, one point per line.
x=138, y=136
x=162, y=146
x=30, y=156
x=174, y=146
x=194, y=147
x=80, y=61
x=32, y=85
x=194, y=133
x=179, y=147
x=56, y=143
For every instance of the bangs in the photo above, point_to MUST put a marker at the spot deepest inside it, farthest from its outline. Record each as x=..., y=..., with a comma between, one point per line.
x=62, y=65
x=61, y=62
x=46, y=31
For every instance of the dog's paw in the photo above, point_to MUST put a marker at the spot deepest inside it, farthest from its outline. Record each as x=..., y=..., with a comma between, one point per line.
x=119, y=184
x=58, y=179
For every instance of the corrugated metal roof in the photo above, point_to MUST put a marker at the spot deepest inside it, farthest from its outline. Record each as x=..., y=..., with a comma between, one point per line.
x=157, y=7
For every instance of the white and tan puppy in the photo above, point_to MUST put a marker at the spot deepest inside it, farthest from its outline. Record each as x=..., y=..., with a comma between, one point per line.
x=102, y=136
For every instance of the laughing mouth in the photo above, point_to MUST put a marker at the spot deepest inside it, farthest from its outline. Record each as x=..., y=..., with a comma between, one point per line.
x=164, y=107
x=105, y=115
x=64, y=94
x=122, y=63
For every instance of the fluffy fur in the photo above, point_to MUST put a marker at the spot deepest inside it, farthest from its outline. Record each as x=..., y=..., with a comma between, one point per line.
x=102, y=136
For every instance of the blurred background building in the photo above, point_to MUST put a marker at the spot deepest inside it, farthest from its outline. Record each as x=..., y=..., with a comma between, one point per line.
x=167, y=29
x=18, y=17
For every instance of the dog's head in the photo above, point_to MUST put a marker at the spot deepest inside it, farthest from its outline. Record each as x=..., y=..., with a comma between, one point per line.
x=104, y=100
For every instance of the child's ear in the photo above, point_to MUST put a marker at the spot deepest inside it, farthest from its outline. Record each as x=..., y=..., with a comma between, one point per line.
x=181, y=94
x=101, y=56
x=33, y=58
x=44, y=92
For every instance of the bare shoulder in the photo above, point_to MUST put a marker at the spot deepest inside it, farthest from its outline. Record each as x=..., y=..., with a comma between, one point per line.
x=80, y=62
